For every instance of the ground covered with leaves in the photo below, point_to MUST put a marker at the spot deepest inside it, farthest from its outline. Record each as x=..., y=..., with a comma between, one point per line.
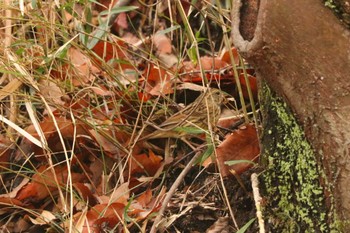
x=125, y=116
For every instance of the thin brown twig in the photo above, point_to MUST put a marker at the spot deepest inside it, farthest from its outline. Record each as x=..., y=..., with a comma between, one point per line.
x=172, y=191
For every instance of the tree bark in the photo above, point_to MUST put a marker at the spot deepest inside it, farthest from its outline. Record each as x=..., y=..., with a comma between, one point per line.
x=302, y=51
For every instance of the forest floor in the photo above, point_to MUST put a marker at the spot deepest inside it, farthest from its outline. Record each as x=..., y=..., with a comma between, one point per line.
x=86, y=86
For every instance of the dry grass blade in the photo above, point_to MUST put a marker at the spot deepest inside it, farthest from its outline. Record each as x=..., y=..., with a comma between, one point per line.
x=21, y=131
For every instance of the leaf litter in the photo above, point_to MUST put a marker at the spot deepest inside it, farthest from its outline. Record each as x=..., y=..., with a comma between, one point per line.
x=73, y=158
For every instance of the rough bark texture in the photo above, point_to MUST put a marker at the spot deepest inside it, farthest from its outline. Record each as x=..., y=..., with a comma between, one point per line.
x=302, y=51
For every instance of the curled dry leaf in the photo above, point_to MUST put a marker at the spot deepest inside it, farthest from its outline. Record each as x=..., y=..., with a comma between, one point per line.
x=9, y=202
x=79, y=71
x=106, y=144
x=225, y=57
x=115, y=52
x=85, y=195
x=67, y=130
x=43, y=183
x=145, y=164
x=52, y=92
x=242, y=144
x=158, y=81
x=103, y=217
x=213, y=68
x=121, y=22
x=164, y=50
x=146, y=204
x=46, y=217
x=15, y=191
x=252, y=83
x=83, y=70
x=121, y=194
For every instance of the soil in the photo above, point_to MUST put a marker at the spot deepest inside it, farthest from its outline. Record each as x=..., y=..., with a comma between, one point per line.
x=203, y=203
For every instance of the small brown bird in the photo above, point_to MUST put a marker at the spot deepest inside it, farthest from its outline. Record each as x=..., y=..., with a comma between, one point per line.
x=194, y=118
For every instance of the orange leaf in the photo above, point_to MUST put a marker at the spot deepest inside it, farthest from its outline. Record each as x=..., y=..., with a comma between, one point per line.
x=242, y=144
x=103, y=217
x=80, y=70
x=158, y=80
x=226, y=56
x=116, y=51
x=6, y=201
x=49, y=129
x=85, y=193
x=145, y=164
x=211, y=65
x=43, y=183
x=146, y=204
x=252, y=84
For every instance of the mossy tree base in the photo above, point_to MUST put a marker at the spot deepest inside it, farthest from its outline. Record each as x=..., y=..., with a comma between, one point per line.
x=302, y=51
x=295, y=198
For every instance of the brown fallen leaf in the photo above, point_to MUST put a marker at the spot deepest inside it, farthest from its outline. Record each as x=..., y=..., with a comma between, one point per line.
x=225, y=56
x=145, y=164
x=43, y=183
x=103, y=217
x=146, y=204
x=52, y=137
x=158, y=81
x=242, y=144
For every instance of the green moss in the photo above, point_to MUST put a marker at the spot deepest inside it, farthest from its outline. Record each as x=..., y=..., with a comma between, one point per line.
x=330, y=4
x=340, y=9
x=295, y=198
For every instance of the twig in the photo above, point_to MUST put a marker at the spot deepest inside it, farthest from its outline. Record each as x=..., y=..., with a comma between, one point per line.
x=257, y=199
x=172, y=191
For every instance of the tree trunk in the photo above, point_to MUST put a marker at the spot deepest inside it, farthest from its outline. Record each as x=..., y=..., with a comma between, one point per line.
x=302, y=51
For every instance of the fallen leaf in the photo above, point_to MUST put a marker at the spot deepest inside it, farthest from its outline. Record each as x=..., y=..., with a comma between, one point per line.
x=51, y=91
x=212, y=67
x=52, y=137
x=85, y=195
x=158, y=81
x=7, y=203
x=225, y=57
x=146, y=204
x=145, y=164
x=162, y=43
x=43, y=183
x=103, y=217
x=114, y=52
x=15, y=191
x=242, y=144
x=46, y=217
x=83, y=70
x=252, y=85
x=121, y=194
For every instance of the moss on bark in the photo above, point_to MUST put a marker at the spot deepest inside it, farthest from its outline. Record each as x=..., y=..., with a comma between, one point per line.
x=341, y=8
x=295, y=197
